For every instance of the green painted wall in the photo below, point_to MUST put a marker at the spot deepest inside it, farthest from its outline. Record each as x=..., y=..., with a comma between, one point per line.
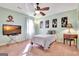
x=19, y=19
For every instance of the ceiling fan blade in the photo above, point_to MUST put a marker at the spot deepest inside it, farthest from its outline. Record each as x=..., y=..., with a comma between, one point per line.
x=42, y=13
x=43, y=9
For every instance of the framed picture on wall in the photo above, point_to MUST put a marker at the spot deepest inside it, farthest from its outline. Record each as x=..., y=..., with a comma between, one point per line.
x=47, y=24
x=54, y=23
x=64, y=22
x=41, y=24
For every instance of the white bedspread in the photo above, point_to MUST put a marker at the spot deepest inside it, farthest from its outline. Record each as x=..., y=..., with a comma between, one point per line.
x=44, y=40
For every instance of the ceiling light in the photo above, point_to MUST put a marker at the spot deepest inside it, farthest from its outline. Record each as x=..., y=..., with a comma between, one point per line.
x=37, y=12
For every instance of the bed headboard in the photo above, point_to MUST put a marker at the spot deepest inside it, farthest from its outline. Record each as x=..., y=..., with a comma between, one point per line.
x=51, y=32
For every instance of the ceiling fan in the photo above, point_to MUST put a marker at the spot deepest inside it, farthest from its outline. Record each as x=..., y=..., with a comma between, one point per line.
x=40, y=9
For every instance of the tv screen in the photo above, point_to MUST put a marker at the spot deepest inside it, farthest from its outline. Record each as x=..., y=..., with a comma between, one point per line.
x=11, y=29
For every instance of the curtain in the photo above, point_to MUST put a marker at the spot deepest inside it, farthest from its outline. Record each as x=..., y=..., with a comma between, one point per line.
x=30, y=28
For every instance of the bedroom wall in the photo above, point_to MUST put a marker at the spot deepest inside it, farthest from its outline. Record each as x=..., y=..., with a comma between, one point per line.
x=78, y=26
x=72, y=17
x=19, y=19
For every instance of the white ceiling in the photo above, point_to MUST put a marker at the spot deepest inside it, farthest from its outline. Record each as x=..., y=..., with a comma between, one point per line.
x=19, y=7
x=29, y=8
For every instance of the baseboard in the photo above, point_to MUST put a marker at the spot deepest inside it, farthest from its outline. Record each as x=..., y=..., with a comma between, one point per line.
x=13, y=43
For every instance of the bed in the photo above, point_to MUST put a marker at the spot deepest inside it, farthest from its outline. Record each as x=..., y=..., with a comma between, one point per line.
x=44, y=40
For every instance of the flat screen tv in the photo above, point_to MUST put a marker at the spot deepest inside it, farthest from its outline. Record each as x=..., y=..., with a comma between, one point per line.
x=11, y=29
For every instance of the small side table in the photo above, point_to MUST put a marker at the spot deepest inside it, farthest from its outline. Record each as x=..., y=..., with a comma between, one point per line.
x=70, y=38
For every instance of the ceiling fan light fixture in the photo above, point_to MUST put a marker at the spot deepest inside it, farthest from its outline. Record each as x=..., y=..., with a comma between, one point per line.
x=37, y=12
